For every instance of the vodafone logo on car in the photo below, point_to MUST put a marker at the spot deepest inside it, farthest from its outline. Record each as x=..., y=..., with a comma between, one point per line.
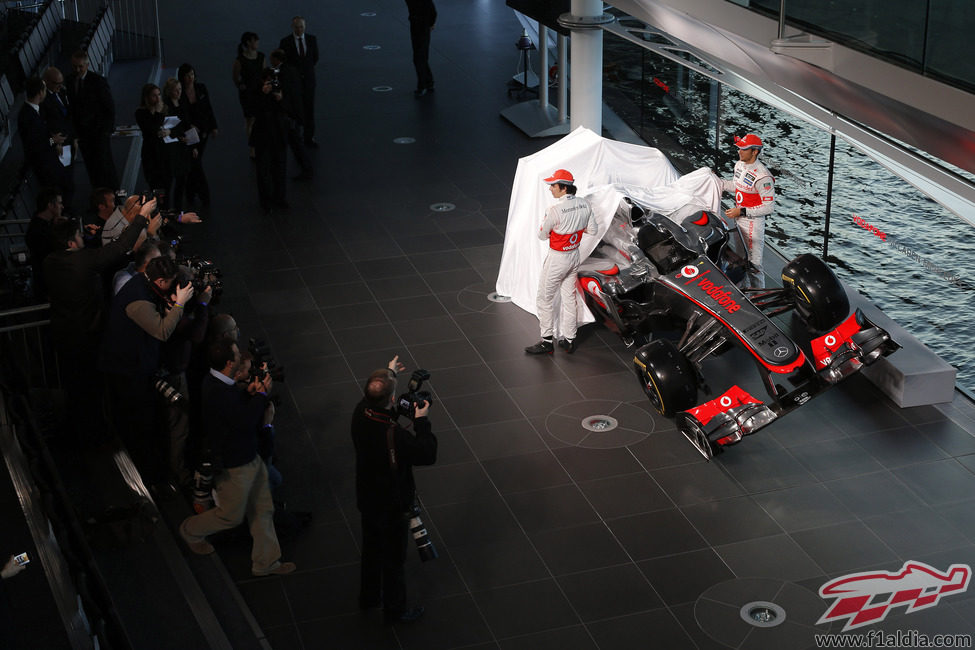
x=689, y=271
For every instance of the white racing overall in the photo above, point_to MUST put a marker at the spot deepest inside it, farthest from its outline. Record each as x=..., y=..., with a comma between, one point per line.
x=754, y=190
x=563, y=227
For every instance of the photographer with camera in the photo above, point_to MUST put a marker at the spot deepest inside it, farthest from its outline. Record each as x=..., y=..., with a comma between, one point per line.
x=143, y=315
x=288, y=81
x=269, y=137
x=385, y=490
x=232, y=419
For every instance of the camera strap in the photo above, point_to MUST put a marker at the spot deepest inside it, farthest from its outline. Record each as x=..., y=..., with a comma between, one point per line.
x=391, y=446
x=377, y=416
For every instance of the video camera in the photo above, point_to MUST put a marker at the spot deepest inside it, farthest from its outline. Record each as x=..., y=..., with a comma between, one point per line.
x=413, y=397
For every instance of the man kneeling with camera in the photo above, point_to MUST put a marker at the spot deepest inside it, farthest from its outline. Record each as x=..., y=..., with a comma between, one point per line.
x=385, y=490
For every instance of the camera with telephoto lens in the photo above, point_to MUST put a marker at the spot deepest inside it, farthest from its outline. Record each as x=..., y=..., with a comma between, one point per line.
x=202, y=274
x=414, y=397
x=169, y=393
x=424, y=545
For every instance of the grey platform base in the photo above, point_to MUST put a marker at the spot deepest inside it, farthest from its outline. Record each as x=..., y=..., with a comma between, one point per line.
x=536, y=121
x=911, y=376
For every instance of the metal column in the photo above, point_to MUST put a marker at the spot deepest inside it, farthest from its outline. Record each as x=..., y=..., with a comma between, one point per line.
x=586, y=90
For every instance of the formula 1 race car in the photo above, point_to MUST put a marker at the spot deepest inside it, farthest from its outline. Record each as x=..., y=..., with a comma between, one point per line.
x=667, y=286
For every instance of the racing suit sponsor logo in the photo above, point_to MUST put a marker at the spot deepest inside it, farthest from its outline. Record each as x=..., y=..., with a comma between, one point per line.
x=717, y=293
x=916, y=586
x=564, y=242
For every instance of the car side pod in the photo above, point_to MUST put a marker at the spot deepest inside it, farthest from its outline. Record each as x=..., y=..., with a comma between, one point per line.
x=723, y=421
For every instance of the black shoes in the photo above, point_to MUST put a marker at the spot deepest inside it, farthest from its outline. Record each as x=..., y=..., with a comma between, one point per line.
x=569, y=345
x=411, y=615
x=542, y=347
x=420, y=92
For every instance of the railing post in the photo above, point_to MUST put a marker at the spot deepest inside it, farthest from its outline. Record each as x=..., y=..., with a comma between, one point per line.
x=829, y=192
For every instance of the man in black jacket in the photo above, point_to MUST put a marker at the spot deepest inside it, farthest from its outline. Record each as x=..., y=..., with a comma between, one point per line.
x=290, y=86
x=269, y=137
x=141, y=318
x=301, y=50
x=42, y=146
x=423, y=16
x=231, y=419
x=94, y=120
x=72, y=274
x=385, y=490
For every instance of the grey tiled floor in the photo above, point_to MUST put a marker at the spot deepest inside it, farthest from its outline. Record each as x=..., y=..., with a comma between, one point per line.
x=549, y=537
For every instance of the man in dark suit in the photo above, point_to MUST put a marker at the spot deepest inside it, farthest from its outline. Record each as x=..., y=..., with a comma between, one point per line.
x=94, y=120
x=423, y=15
x=56, y=110
x=290, y=86
x=41, y=147
x=301, y=51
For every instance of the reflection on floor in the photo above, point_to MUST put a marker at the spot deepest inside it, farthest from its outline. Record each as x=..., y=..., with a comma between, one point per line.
x=550, y=535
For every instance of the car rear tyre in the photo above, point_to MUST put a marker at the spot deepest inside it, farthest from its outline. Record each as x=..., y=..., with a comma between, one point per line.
x=821, y=301
x=667, y=377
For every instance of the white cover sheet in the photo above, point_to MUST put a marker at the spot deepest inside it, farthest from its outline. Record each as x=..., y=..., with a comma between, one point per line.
x=604, y=170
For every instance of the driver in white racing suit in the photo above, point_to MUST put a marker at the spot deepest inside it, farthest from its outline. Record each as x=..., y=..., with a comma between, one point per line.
x=563, y=226
x=754, y=190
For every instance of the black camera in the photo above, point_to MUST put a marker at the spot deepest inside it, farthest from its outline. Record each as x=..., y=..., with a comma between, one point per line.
x=424, y=545
x=275, y=81
x=202, y=273
x=413, y=397
x=262, y=365
x=159, y=195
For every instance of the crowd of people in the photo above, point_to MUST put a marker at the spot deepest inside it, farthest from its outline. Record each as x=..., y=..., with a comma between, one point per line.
x=144, y=360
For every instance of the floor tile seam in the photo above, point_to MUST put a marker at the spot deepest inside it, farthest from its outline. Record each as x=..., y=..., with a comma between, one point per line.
x=534, y=546
x=823, y=569
x=560, y=627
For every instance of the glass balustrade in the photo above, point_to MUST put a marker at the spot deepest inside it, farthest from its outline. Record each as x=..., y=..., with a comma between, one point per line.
x=910, y=256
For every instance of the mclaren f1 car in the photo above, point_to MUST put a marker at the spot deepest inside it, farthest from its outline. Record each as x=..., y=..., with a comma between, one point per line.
x=668, y=286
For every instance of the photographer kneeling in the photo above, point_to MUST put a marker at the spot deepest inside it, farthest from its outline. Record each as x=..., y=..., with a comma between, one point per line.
x=385, y=491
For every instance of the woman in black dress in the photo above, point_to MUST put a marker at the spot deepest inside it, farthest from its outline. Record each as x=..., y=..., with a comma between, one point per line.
x=247, y=70
x=179, y=154
x=201, y=117
x=150, y=116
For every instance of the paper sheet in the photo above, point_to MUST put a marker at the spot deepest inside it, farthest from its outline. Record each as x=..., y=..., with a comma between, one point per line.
x=192, y=136
x=65, y=156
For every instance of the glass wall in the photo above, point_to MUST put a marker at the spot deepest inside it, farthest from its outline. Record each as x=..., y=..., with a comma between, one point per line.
x=932, y=37
x=911, y=257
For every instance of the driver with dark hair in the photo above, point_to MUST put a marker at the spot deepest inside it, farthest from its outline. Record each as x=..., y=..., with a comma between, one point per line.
x=563, y=226
x=385, y=454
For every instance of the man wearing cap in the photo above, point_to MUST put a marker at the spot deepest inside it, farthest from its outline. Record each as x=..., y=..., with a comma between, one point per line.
x=563, y=226
x=754, y=190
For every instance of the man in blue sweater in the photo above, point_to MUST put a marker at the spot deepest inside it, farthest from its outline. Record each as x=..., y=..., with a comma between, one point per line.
x=232, y=419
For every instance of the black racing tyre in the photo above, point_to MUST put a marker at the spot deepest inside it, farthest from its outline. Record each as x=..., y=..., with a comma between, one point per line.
x=821, y=301
x=667, y=377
